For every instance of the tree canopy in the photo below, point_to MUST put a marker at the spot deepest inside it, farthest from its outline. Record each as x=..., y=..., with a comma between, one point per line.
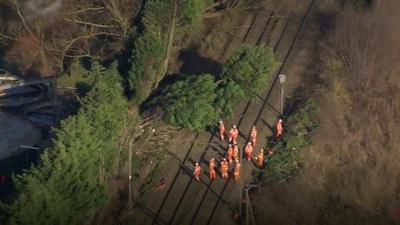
x=250, y=67
x=190, y=102
x=67, y=188
x=228, y=95
x=162, y=21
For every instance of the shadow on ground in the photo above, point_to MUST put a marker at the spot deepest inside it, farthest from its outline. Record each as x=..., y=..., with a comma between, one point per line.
x=194, y=63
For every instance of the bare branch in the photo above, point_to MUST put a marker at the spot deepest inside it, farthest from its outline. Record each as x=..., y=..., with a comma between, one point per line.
x=89, y=23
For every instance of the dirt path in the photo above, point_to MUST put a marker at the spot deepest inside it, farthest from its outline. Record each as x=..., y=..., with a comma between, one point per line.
x=204, y=202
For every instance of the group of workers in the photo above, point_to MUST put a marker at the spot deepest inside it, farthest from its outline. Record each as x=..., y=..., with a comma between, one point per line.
x=232, y=154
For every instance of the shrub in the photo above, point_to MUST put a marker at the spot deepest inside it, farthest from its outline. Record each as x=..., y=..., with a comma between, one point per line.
x=284, y=164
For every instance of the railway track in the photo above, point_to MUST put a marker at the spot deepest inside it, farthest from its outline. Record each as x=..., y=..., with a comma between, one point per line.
x=285, y=59
x=243, y=114
x=186, y=157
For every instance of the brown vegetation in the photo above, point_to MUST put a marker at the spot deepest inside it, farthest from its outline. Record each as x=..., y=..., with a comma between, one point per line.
x=43, y=34
x=351, y=173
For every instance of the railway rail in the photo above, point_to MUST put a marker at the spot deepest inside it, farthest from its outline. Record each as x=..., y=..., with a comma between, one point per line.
x=243, y=114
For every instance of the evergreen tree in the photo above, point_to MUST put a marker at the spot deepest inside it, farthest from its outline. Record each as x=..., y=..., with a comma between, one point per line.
x=190, y=103
x=162, y=21
x=229, y=94
x=250, y=67
x=66, y=188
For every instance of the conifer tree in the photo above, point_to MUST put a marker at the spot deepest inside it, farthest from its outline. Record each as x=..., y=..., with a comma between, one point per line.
x=250, y=67
x=229, y=94
x=190, y=102
x=163, y=21
x=67, y=188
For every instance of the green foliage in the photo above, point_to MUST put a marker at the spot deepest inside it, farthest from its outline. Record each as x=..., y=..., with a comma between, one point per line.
x=190, y=103
x=192, y=13
x=304, y=117
x=149, y=55
x=228, y=95
x=284, y=164
x=75, y=74
x=246, y=73
x=65, y=189
x=250, y=67
x=147, y=58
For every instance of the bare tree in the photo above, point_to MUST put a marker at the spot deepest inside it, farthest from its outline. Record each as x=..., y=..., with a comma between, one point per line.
x=45, y=35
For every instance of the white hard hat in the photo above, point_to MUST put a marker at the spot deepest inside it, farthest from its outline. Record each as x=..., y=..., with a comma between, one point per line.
x=197, y=164
x=220, y=121
x=249, y=143
x=234, y=126
x=280, y=120
x=261, y=150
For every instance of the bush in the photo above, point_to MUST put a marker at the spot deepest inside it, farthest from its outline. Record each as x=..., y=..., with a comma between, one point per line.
x=190, y=103
x=284, y=164
x=304, y=116
x=250, y=67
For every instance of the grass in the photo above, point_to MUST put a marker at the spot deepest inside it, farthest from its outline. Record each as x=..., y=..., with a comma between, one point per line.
x=72, y=77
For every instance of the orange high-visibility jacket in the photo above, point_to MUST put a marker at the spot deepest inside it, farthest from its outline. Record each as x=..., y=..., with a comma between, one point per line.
x=211, y=165
x=253, y=134
x=279, y=127
x=212, y=174
x=197, y=171
x=221, y=128
x=236, y=173
x=229, y=152
x=260, y=158
x=224, y=167
x=249, y=149
x=233, y=132
x=236, y=151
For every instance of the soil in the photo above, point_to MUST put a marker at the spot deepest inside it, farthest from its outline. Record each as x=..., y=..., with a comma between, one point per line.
x=338, y=183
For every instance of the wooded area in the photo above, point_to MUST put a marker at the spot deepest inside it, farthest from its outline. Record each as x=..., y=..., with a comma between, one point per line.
x=71, y=182
x=336, y=164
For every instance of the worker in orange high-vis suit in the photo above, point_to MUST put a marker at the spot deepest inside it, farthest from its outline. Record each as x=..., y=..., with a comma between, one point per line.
x=236, y=152
x=221, y=128
x=233, y=134
x=197, y=172
x=260, y=158
x=253, y=136
x=211, y=168
x=270, y=152
x=224, y=169
x=229, y=153
x=279, y=129
x=248, y=150
x=236, y=172
x=161, y=185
